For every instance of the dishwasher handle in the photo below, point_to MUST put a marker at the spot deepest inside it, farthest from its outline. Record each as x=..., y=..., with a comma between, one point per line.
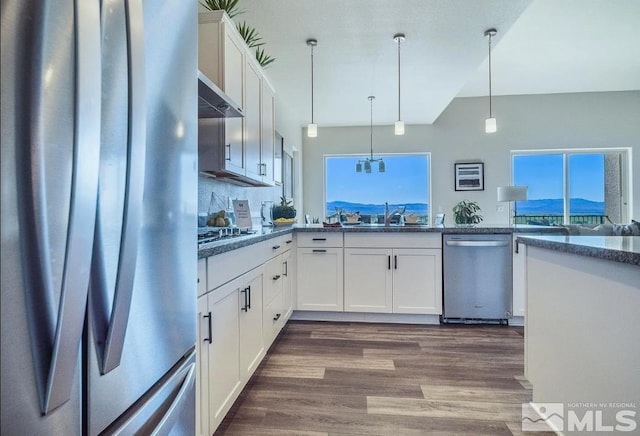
x=470, y=243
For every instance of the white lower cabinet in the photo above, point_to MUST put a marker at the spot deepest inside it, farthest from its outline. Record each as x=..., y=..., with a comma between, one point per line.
x=320, y=275
x=385, y=280
x=368, y=280
x=230, y=345
x=288, y=268
x=417, y=281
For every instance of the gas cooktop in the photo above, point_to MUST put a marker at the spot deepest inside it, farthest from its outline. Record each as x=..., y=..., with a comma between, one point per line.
x=213, y=234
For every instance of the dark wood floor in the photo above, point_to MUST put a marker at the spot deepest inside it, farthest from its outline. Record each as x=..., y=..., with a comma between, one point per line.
x=380, y=379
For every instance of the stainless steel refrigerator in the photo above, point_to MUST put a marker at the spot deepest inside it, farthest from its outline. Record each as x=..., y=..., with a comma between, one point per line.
x=99, y=205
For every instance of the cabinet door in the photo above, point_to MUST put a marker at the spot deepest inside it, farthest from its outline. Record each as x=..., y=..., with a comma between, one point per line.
x=250, y=308
x=417, y=281
x=287, y=285
x=267, y=147
x=519, y=279
x=320, y=275
x=202, y=379
x=252, y=110
x=367, y=280
x=224, y=356
x=202, y=277
x=233, y=65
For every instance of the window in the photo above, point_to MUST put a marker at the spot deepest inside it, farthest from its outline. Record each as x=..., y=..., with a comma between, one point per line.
x=571, y=187
x=405, y=185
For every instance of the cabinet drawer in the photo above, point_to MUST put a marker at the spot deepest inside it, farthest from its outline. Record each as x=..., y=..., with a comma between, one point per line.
x=273, y=278
x=202, y=277
x=273, y=317
x=393, y=240
x=279, y=244
x=320, y=239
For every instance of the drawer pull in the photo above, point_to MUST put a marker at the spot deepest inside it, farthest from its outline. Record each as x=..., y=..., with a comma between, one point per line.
x=289, y=241
x=275, y=247
x=319, y=239
x=276, y=277
x=277, y=317
x=319, y=251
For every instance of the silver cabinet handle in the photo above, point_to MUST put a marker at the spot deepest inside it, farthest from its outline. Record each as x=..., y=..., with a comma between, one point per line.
x=229, y=153
x=477, y=243
x=136, y=152
x=57, y=337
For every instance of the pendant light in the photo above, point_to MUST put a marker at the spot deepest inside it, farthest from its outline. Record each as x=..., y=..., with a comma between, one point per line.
x=369, y=160
x=312, y=128
x=399, y=126
x=490, y=125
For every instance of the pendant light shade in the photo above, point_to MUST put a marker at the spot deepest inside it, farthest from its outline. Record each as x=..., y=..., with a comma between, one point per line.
x=490, y=125
x=399, y=125
x=312, y=127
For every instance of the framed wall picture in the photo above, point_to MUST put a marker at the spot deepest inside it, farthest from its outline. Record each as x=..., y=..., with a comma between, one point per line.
x=469, y=176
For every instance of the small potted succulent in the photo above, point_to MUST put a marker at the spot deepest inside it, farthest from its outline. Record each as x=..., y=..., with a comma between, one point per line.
x=466, y=213
x=284, y=213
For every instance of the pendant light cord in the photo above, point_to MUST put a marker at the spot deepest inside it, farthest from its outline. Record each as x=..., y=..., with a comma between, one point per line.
x=312, y=84
x=371, y=127
x=490, y=108
x=399, y=41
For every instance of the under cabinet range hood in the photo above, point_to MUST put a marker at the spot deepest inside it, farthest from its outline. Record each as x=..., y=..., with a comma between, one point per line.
x=213, y=102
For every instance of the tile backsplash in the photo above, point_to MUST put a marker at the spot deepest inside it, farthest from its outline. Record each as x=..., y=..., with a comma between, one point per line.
x=223, y=190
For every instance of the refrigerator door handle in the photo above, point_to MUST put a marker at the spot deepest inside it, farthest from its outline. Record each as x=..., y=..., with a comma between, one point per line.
x=170, y=418
x=159, y=410
x=123, y=294
x=84, y=191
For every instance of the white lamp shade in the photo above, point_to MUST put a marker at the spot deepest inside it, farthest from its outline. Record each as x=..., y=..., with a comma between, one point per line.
x=490, y=125
x=312, y=130
x=512, y=193
x=399, y=127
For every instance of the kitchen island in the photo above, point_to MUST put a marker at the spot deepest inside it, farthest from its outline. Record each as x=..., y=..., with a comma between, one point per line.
x=582, y=325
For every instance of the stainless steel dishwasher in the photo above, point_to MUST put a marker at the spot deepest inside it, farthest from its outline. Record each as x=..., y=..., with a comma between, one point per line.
x=478, y=284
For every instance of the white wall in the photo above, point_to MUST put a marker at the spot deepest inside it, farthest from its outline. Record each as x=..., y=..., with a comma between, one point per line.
x=292, y=134
x=554, y=121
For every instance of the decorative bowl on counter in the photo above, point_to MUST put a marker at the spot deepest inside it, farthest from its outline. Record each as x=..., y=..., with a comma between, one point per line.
x=281, y=222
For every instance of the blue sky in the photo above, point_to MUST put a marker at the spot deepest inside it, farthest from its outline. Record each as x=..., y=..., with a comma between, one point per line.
x=543, y=175
x=404, y=180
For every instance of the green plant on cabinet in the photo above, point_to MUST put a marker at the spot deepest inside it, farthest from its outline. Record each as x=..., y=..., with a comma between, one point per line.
x=467, y=212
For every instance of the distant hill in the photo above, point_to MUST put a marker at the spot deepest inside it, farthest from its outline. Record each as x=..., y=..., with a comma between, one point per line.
x=377, y=209
x=555, y=206
x=547, y=206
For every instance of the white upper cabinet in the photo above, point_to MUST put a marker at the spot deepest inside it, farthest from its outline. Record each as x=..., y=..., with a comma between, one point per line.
x=240, y=149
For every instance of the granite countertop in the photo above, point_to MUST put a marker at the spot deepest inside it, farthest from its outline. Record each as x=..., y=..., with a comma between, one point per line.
x=219, y=247
x=479, y=228
x=625, y=249
x=224, y=245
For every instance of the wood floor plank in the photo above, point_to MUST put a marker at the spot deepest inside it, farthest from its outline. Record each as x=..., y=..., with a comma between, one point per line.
x=473, y=410
x=339, y=379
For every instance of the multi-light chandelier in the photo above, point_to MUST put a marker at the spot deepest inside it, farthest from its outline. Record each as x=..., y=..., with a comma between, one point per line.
x=370, y=160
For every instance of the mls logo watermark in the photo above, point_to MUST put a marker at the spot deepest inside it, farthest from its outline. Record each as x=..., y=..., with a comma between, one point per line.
x=548, y=416
x=579, y=417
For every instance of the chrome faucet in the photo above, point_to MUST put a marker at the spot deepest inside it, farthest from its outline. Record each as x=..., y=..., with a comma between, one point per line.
x=387, y=216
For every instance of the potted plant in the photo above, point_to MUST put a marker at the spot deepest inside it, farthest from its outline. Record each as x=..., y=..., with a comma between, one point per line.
x=466, y=212
x=284, y=211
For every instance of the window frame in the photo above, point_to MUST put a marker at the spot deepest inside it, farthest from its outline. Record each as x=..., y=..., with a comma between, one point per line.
x=427, y=154
x=625, y=174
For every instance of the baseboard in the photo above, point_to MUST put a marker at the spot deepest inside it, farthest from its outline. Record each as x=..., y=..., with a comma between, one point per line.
x=517, y=321
x=389, y=318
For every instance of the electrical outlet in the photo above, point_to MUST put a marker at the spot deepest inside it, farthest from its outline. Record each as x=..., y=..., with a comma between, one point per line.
x=500, y=208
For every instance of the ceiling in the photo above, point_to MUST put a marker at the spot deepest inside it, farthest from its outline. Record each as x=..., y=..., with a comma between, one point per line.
x=542, y=46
